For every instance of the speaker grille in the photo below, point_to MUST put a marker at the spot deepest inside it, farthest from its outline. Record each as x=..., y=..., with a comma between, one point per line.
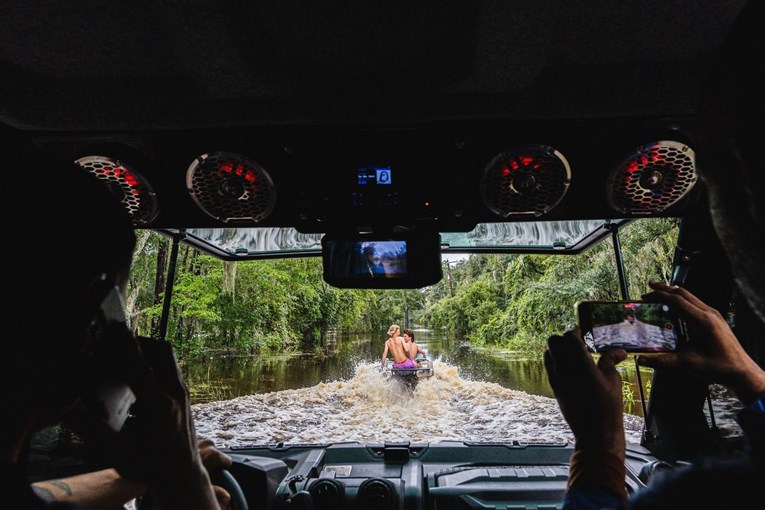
x=135, y=192
x=529, y=180
x=231, y=187
x=653, y=178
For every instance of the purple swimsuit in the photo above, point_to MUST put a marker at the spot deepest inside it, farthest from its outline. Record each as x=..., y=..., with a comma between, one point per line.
x=407, y=363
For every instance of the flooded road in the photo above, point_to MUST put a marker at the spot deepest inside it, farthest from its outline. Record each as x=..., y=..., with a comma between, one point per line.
x=370, y=408
x=473, y=396
x=224, y=378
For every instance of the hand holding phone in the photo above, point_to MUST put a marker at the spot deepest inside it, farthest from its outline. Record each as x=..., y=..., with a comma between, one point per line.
x=715, y=354
x=635, y=326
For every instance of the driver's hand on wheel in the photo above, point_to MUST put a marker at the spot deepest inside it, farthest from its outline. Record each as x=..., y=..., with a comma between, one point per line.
x=158, y=445
x=214, y=459
x=223, y=497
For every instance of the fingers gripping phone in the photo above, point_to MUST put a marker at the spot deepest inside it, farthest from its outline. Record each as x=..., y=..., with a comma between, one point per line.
x=109, y=396
x=635, y=326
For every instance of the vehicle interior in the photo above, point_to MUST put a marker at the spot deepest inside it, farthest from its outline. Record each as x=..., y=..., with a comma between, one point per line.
x=308, y=129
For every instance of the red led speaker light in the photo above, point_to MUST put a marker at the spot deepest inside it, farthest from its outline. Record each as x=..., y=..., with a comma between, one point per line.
x=231, y=187
x=653, y=178
x=135, y=192
x=529, y=180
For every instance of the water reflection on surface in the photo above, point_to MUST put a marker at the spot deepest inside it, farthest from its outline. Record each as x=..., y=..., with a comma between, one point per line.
x=222, y=378
x=370, y=407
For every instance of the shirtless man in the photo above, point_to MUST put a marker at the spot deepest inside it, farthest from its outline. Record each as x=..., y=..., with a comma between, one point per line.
x=395, y=344
x=411, y=347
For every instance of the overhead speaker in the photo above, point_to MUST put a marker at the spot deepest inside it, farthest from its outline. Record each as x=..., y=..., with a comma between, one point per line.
x=231, y=187
x=125, y=182
x=652, y=178
x=527, y=181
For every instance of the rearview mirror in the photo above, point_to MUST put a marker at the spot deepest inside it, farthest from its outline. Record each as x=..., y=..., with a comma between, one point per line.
x=409, y=260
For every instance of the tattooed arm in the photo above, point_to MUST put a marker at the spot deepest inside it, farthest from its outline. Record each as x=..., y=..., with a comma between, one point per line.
x=98, y=490
x=107, y=490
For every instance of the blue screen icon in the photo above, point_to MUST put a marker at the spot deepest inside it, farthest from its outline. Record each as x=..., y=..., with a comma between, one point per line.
x=383, y=175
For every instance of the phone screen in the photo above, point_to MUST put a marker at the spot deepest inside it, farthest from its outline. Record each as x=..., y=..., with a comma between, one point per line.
x=634, y=326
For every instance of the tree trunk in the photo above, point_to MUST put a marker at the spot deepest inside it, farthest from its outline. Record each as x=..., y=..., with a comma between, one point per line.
x=229, y=277
x=132, y=298
x=160, y=280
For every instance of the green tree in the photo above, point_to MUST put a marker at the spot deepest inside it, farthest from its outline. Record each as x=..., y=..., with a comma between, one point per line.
x=510, y=301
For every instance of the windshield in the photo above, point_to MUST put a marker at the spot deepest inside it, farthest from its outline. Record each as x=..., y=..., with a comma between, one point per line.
x=274, y=354
x=542, y=236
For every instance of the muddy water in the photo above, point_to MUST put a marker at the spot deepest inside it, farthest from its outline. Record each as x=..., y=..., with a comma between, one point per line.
x=370, y=408
x=225, y=378
x=343, y=396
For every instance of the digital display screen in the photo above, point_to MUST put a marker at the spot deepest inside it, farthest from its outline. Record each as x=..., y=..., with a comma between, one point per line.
x=381, y=259
x=374, y=175
x=629, y=325
x=397, y=261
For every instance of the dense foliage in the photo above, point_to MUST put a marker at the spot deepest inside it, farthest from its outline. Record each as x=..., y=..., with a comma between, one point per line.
x=508, y=301
x=517, y=301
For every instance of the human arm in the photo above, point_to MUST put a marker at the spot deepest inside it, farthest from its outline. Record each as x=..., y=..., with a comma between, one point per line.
x=714, y=353
x=98, y=490
x=167, y=454
x=414, y=350
x=590, y=398
x=214, y=460
x=157, y=446
x=385, y=354
x=107, y=489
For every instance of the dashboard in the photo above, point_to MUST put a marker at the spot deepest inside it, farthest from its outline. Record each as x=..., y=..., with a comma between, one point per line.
x=441, y=476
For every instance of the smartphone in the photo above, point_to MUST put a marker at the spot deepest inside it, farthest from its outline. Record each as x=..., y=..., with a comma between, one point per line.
x=635, y=326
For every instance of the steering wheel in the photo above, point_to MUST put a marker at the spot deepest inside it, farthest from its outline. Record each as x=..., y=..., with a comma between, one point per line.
x=223, y=478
